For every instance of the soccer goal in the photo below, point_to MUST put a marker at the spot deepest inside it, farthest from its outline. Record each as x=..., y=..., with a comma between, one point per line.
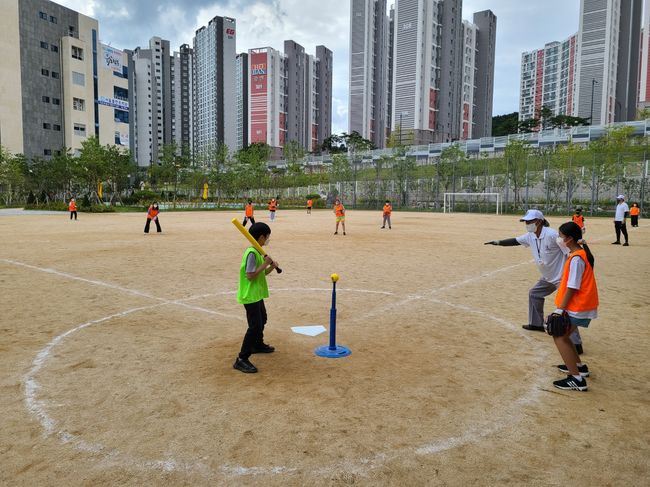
x=472, y=203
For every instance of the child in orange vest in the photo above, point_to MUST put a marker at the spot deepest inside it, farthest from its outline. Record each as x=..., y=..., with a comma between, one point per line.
x=273, y=206
x=388, y=209
x=152, y=214
x=339, y=211
x=579, y=219
x=577, y=296
x=634, y=215
x=248, y=215
x=72, y=208
x=310, y=203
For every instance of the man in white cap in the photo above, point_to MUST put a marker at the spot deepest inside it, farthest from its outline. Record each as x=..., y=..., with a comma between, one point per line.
x=620, y=218
x=550, y=259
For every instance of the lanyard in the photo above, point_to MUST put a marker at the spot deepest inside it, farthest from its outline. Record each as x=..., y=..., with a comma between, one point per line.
x=538, y=244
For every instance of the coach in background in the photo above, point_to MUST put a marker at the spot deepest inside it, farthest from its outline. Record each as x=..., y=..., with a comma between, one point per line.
x=550, y=259
x=622, y=212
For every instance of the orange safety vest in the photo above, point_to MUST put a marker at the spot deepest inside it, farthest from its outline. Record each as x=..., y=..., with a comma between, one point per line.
x=72, y=206
x=585, y=298
x=340, y=210
x=309, y=203
x=249, y=210
x=152, y=213
x=272, y=205
x=388, y=209
x=579, y=220
x=634, y=211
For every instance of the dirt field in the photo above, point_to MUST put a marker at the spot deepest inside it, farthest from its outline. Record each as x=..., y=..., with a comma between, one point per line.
x=117, y=349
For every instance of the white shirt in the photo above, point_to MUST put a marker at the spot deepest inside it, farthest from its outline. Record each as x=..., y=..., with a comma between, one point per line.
x=576, y=270
x=621, y=209
x=548, y=255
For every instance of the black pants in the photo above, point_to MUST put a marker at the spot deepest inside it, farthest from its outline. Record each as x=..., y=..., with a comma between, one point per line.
x=248, y=218
x=256, y=316
x=146, y=227
x=634, y=219
x=620, y=227
x=308, y=210
x=73, y=213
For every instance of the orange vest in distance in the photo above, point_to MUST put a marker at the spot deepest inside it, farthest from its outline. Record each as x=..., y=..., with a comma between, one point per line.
x=579, y=220
x=249, y=210
x=72, y=206
x=634, y=211
x=152, y=213
x=309, y=203
x=340, y=210
x=388, y=209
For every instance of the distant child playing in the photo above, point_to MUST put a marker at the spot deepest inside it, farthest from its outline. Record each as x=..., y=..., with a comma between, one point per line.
x=273, y=206
x=388, y=209
x=72, y=208
x=579, y=219
x=152, y=214
x=577, y=295
x=339, y=211
x=248, y=215
x=634, y=215
x=252, y=291
x=310, y=203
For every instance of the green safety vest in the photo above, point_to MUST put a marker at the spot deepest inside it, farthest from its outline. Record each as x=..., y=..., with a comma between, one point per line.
x=255, y=290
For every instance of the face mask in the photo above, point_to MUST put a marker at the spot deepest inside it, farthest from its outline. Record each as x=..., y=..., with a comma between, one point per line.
x=531, y=227
x=561, y=243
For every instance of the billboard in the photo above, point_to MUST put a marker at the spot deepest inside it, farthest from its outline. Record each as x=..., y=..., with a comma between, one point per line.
x=258, y=100
x=112, y=59
x=113, y=102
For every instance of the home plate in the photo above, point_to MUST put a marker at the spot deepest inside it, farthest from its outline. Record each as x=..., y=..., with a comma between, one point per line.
x=310, y=331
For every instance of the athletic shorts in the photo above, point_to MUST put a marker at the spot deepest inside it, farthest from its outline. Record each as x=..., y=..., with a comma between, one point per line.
x=583, y=322
x=340, y=219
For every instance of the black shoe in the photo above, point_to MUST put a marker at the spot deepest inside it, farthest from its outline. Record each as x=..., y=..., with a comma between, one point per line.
x=336, y=233
x=583, y=369
x=626, y=244
x=533, y=328
x=383, y=227
x=571, y=384
x=616, y=243
x=264, y=348
x=579, y=348
x=343, y=233
x=244, y=365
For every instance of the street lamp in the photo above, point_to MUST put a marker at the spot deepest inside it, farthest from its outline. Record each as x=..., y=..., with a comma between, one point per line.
x=591, y=113
x=404, y=113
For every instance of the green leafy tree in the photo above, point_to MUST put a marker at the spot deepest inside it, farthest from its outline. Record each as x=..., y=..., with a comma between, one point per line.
x=446, y=169
x=93, y=165
x=173, y=164
x=12, y=175
x=294, y=155
x=516, y=158
x=403, y=169
x=505, y=124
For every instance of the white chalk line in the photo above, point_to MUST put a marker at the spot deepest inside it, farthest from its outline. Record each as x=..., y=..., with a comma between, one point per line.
x=38, y=409
x=116, y=287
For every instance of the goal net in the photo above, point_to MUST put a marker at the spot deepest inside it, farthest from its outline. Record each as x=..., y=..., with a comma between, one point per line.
x=472, y=203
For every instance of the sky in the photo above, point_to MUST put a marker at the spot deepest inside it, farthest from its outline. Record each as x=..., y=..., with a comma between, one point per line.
x=522, y=25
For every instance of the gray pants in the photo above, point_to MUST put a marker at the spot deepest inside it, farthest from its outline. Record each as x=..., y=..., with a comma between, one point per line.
x=536, y=297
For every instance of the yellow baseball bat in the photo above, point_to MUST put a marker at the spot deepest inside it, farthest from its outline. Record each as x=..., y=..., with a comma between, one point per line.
x=250, y=238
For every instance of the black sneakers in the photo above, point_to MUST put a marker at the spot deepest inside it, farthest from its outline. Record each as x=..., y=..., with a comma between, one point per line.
x=244, y=366
x=264, y=348
x=533, y=328
x=626, y=244
x=583, y=369
x=616, y=243
x=571, y=384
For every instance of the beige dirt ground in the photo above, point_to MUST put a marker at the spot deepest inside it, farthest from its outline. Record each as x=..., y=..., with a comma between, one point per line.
x=117, y=349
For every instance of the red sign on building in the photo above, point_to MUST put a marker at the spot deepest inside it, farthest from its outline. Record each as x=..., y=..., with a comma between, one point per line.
x=259, y=97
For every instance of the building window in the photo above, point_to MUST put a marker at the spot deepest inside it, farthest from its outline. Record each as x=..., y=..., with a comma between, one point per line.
x=46, y=99
x=53, y=19
x=45, y=72
x=45, y=45
x=47, y=126
x=121, y=116
x=77, y=53
x=79, y=104
x=56, y=101
x=54, y=48
x=55, y=75
x=47, y=152
x=56, y=127
x=78, y=79
x=42, y=15
x=80, y=129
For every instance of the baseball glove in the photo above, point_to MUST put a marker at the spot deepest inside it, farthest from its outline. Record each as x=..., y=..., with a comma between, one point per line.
x=558, y=325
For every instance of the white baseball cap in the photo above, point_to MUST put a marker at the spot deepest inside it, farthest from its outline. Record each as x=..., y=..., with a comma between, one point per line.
x=620, y=197
x=532, y=215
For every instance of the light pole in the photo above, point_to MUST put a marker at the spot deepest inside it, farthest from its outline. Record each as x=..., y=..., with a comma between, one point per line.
x=591, y=113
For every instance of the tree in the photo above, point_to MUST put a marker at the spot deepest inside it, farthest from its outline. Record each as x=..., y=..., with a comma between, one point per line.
x=12, y=174
x=643, y=113
x=334, y=144
x=93, y=165
x=403, y=168
x=516, y=157
x=544, y=115
x=294, y=155
x=446, y=168
x=171, y=166
x=566, y=121
x=505, y=124
x=528, y=126
x=120, y=166
x=251, y=169
x=356, y=143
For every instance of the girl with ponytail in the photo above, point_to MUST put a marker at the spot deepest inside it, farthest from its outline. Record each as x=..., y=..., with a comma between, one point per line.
x=577, y=297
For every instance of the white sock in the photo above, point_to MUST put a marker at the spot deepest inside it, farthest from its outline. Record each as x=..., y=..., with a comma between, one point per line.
x=579, y=364
x=577, y=377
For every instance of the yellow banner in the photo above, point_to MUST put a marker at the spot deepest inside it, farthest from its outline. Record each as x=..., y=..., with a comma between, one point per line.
x=100, y=189
x=205, y=191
